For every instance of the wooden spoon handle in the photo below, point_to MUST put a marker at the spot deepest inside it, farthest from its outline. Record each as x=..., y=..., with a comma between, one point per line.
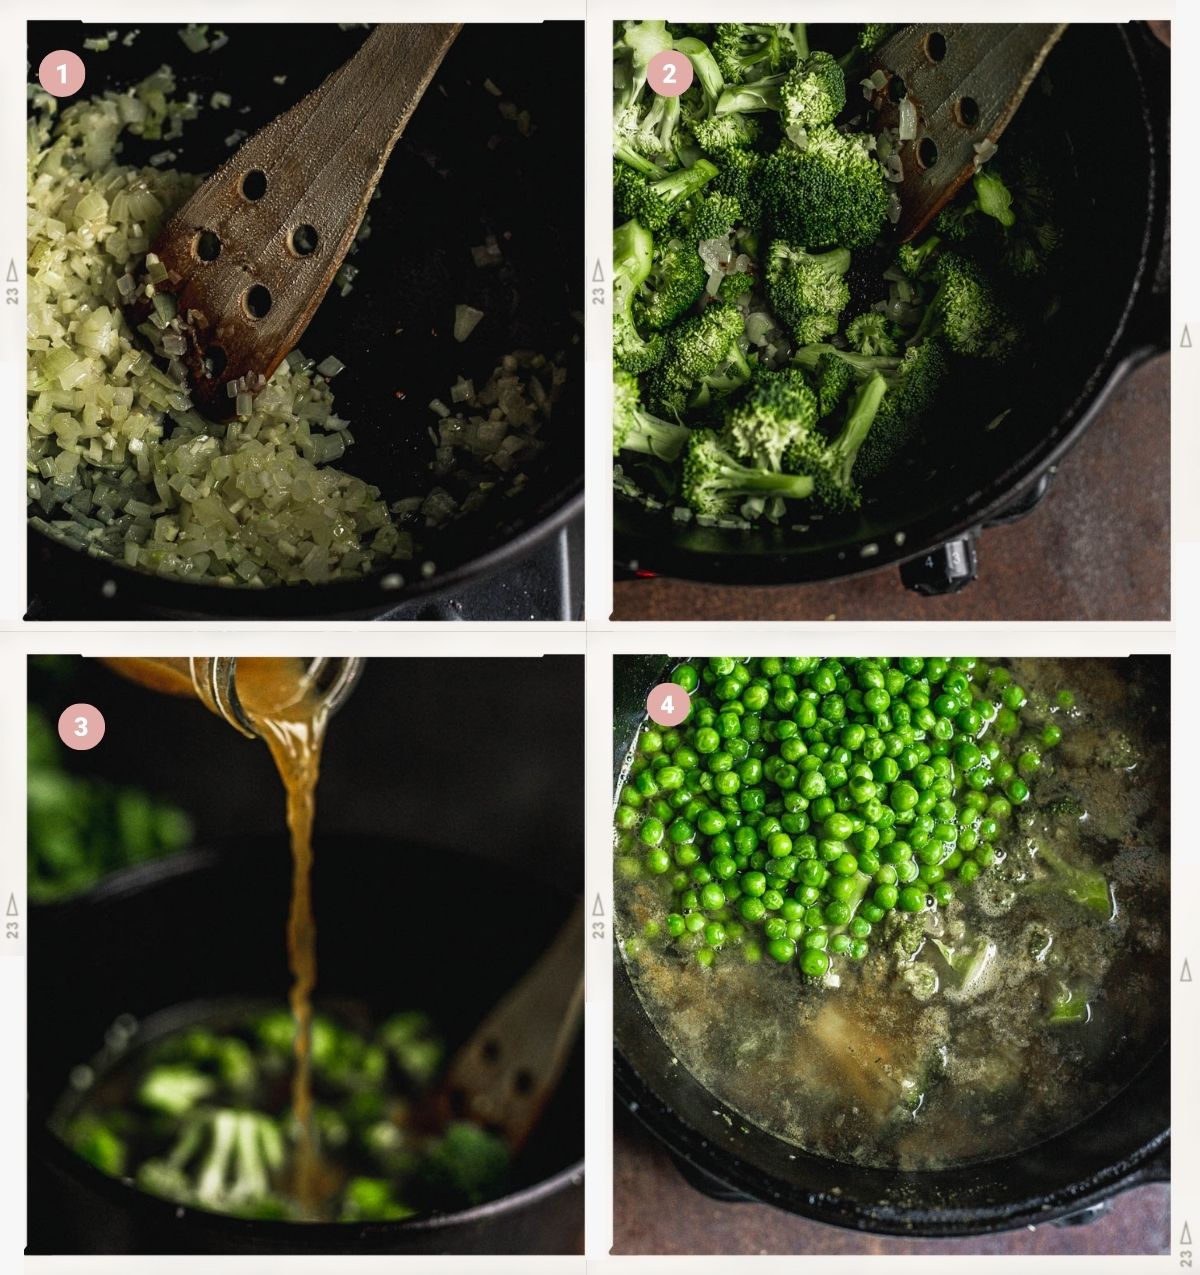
x=314, y=167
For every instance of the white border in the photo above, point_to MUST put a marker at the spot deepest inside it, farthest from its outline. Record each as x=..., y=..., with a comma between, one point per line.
x=600, y=638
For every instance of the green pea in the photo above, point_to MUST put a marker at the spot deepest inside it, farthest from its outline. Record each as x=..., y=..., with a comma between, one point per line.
x=911, y=899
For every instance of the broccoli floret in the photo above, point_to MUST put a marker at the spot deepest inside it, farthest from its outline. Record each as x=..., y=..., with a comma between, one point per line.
x=466, y=1165
x=749, y=51
x=811, y=93
x=99, y=1144
x=779, y=407
x=677, y=278
x=414, y=1047
x=223, y=1160
x=372, y=1200
x=869, y=38
x=633, y=258
x=914, y=258
x=703, y=360
x=718, y=134
x=993, y=197
x=967, y=311
x=914, y=386
x=734, y=286
x=832, y=376
x=174, y=1088
x=921, y=979
x=1086, y=886
x=343, y=1059
x=1065, y=808
x=655, y=136
x=635, y=45
x=807, y=291
x=909, y=935
x=1035, y=234
x=873, y=334
x=1021, y=214
x=831, y=193
x=636, y=430
x=710, y=216
x=276, y=1031
x=739, y=177
x=230, y=1058
x=713, y=482
x=654, y=202
x=831, y=463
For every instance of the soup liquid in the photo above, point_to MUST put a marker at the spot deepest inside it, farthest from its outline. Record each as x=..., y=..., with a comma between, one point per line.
x=864, y=1072
x=278, y=699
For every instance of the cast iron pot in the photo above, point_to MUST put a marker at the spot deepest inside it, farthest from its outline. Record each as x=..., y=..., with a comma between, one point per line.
x=444, y=189
x=1109, y=138
x=1069, y=1177
x=200, y=927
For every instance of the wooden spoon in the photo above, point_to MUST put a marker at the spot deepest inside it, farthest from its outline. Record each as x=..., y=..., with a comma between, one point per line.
x=504, y=1075
x=252, y=253
x=966, y=81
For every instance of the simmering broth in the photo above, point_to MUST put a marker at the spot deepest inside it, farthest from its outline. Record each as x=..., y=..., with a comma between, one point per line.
x=1022, y=1010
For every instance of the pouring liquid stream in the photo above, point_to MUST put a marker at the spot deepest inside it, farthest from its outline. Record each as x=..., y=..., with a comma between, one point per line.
x=279, y=700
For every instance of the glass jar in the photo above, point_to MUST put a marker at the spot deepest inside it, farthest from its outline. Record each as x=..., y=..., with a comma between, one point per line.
x=214, y=681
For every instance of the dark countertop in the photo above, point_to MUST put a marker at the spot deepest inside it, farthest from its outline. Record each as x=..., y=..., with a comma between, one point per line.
x=1110, y=539
x=656, y=1211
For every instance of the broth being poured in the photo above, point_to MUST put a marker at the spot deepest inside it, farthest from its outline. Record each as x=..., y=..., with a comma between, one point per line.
x=279, y=700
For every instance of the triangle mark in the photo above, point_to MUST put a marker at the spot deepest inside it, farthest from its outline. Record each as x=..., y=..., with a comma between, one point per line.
x=598, y=907
x=1186, y=976
x=1186, y=340
x=1185, y=1239
x=11, y=277
x=11, y=910
x=598, y=275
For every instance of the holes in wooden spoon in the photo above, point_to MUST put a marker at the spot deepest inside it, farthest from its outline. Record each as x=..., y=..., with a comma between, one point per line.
x=258, y=301
x=897, y=90
x=457, y=1100
x=207, y=246
x=966, y=112
x=927, y=152
x=214, y=361
x=523, y=1082
x=935, y=46
x=254, y=185
x=304, y=240
x=491, y=1050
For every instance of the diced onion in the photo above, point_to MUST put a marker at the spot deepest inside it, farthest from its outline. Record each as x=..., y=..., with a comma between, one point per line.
x=908, y=119
x=466, y=320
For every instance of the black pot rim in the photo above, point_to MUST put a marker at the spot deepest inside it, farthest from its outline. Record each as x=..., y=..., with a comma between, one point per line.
x=125, y=1195
x=742, y=1183
x=341, y=599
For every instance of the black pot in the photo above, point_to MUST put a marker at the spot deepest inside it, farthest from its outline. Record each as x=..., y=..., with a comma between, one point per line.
x=443, y=190
x=201, y=927
x=929, y=519
x=1070, y=1176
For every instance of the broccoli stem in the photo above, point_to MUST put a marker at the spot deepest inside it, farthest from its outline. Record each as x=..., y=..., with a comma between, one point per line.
x=628, y=156
x=859, y=419
x=1086, y=886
